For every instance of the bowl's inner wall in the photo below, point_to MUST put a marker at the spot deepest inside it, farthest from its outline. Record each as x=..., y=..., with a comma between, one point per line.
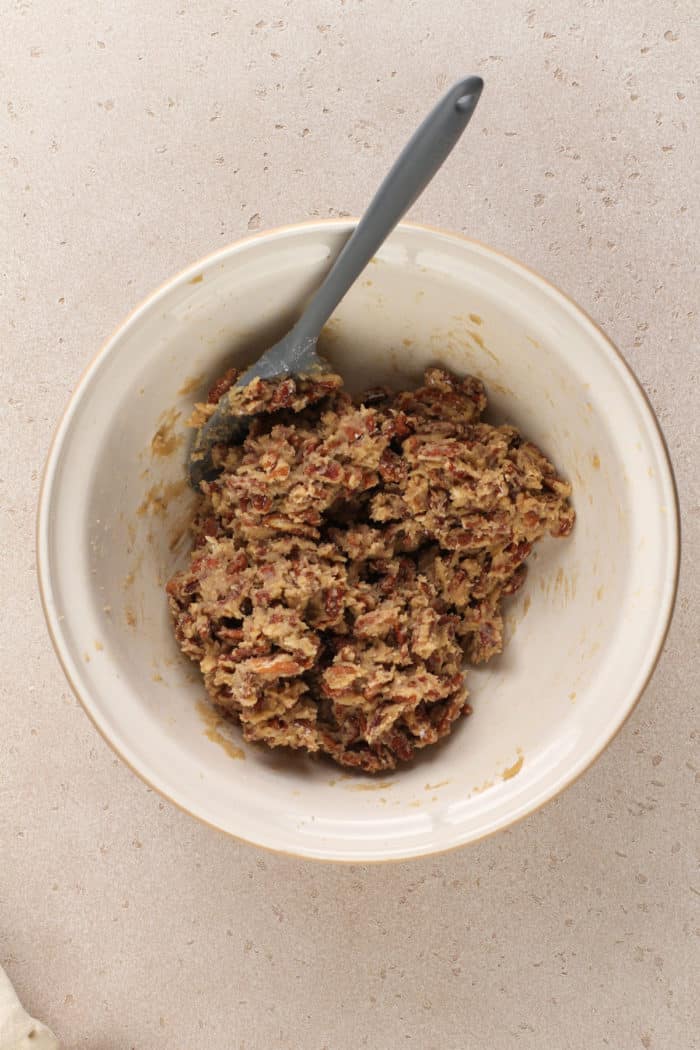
x=575, y=630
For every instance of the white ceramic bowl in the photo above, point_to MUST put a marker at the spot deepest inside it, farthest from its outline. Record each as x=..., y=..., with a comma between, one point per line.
x=585, y=632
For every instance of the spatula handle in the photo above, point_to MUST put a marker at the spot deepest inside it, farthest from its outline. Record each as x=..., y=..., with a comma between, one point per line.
x=415, y=166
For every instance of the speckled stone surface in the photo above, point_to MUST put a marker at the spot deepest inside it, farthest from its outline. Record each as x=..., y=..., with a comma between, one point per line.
x=136, y=137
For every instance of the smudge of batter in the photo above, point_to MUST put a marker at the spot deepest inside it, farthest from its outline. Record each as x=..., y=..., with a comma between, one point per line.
x=383, y=786
x=158, y=498
x=512, y=771
x=213, y=721
x=166, y=439
x=501, y=389
x=177, y=536
x=478, y=339
x=190, y=385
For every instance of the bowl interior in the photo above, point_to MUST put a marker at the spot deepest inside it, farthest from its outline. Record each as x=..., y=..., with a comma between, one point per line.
x=583, y=633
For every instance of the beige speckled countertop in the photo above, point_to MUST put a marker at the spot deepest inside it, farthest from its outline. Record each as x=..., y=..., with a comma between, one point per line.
x=136, y=137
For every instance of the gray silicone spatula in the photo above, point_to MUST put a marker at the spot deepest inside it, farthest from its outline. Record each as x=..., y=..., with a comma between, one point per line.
x=295, y=353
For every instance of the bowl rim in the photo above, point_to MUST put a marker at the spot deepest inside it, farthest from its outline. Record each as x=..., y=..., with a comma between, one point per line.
x=61, y=429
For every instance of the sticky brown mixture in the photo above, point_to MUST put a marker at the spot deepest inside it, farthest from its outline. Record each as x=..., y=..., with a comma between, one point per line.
x=352, y=555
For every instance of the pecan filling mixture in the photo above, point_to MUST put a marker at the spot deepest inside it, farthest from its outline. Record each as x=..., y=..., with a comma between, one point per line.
x=352, y=555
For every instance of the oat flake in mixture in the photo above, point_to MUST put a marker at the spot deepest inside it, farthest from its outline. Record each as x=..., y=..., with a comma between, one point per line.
x=351, y=555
